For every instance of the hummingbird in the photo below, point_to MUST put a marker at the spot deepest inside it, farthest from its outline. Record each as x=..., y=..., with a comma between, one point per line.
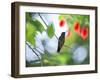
x=61, y=41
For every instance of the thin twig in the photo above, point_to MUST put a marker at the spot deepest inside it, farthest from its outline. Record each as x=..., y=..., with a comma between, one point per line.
x=33, y=51
x=40, y=49
x=67, y=46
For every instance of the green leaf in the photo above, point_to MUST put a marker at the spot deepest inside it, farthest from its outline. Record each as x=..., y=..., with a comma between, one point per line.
x=50, y=31
x=30, y=33
x=38, y=26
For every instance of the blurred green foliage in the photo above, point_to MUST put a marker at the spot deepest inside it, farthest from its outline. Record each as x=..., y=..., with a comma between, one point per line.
x=30, y=33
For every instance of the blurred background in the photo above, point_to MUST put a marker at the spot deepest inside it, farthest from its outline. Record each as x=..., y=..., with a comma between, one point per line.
x=74, y=50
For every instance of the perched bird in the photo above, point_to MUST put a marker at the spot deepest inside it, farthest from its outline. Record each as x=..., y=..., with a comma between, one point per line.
x=61, y=41
x=61, y=30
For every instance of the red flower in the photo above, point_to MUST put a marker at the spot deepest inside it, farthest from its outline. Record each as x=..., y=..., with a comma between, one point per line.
x=62, y=23
x=84, y=33
x=77, y=27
